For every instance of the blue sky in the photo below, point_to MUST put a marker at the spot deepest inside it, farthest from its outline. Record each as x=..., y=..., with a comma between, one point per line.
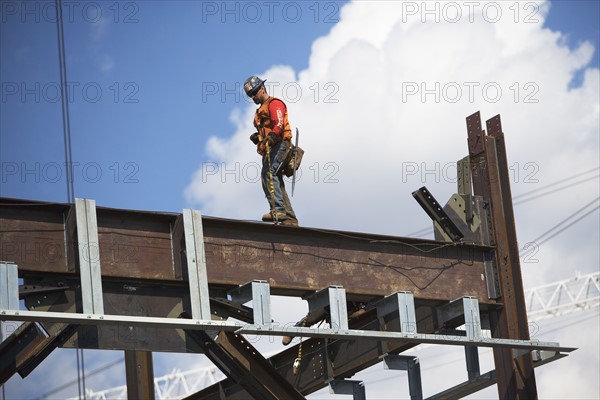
x=151, y=81
x=156, y=97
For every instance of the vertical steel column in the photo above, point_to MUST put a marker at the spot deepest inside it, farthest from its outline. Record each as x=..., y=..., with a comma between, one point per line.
x=196, y=264
x=89, y=256
x=516, y=378
x=412, y=366
x=139, y=375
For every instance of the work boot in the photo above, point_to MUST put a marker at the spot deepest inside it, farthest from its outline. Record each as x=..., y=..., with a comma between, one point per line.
x=357, y=313
x=281, y=216
x=286, y=340
x=267, y=217
x=290, y=222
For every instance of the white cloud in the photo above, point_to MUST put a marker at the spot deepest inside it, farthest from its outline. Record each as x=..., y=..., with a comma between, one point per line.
x=99, y=30
x=402, y=86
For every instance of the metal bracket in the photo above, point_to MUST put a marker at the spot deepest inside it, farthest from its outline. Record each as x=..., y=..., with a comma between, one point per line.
x=9, y=286
x=9, y=296
x=402, y=303
x=89, y=256
x=342, y=386
x=196, y=264
x=410, y=364
x=472, y=318
x=463, y=176
x=473, y=331
x=259, y=292
x=490, y=271
x=333, y=297
x=437, y=214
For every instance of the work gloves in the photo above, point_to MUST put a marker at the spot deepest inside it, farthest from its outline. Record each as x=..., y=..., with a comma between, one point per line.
x=272, y=138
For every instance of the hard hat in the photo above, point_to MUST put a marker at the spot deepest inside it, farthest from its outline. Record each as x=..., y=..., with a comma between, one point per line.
x=252, y=85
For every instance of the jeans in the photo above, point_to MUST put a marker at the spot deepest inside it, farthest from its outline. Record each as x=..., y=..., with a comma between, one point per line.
x=282, y=201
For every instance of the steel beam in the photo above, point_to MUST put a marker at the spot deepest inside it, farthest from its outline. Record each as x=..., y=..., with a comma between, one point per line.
x=142, y=246
x=490, y=378
x=139, y=373
x=336, y=357
x=477, y=155
x=412, y=366
x=346, y=386
x=437, y=214
x=241, y=362
x=516, y=378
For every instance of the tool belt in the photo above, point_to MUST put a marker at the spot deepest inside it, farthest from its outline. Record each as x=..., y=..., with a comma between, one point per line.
x=288, y=165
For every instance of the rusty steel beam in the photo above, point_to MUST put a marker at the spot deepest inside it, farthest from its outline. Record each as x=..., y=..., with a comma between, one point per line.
x=245, y=366
x=27, y=347
x=143, y=246
x=139, y=373
x=478, y=157
x=326, y=359
x=17, y=348
x=516, y=378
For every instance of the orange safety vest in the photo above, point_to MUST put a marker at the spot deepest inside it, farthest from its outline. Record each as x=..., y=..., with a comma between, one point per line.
x=264, y=126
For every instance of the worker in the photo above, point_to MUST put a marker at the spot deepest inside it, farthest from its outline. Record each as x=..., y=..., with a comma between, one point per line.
x=273, y=143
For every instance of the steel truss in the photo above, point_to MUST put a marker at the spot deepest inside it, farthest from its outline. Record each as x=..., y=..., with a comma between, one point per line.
x=563, y=297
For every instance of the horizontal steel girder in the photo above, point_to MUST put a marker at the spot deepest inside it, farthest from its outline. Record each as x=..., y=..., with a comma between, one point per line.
x=296, y=331
x=136, y=245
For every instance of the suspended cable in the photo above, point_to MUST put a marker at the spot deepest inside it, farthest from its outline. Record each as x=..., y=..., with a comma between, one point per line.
x=563, y=222
x=62, y=63
x=568, y=226
x=556, y=183
x=92, y=373
x=556, y=190
x=420, y=231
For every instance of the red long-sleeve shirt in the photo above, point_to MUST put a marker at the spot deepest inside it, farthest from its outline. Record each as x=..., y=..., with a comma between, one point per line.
x=276, y=112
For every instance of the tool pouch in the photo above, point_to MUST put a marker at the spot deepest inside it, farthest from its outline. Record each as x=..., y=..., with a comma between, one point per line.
x=289, y=165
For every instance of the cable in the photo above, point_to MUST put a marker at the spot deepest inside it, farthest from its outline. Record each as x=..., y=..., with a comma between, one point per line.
x=555, y=183
x=420, y=231
x=562, y=222
x=94, y=372
x=571, y=224
x=556, y=190
x=62, y=63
